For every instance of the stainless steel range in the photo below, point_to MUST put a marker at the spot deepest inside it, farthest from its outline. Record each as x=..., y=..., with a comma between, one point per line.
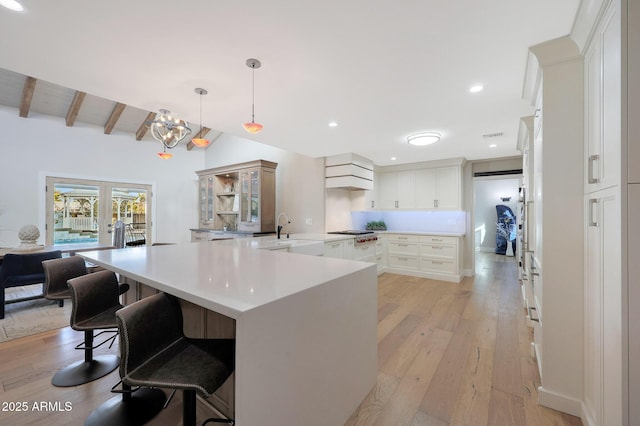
x=361, y=237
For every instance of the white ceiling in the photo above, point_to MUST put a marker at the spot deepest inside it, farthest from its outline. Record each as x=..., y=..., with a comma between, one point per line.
x=382, y=69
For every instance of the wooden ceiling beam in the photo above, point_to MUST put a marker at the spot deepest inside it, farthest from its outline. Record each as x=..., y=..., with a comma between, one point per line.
x=27, y=95
x=74, y=109
x=113, y=118
x=144, y=127
x=201, y=134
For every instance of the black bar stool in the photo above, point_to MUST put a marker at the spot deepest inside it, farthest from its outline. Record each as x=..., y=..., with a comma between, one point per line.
x=156, y=353
x=56, y=274
x=95, y=299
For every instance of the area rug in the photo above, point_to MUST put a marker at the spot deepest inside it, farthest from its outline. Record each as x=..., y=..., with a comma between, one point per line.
x=33, y=316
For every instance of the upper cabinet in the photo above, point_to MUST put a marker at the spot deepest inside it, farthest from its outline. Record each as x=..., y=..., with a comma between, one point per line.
x=239, y=197
x=602, y=72
x=421, y=188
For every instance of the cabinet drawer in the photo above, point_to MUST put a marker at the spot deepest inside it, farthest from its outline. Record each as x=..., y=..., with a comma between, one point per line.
x=404, y=262
x=438, y=250
x=442, y=266
x=199, y=236
x=363, y=252
x=334, y=249
x=438, y=239
x=403, y=238
x=403, y=248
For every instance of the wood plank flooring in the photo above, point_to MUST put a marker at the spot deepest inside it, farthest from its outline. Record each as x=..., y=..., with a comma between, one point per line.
x=455, y=354
x=448, y=354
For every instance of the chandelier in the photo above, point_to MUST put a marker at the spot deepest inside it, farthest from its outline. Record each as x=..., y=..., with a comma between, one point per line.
x=168, y=130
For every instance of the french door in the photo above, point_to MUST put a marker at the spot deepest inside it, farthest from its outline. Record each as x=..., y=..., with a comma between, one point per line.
x=81, y=211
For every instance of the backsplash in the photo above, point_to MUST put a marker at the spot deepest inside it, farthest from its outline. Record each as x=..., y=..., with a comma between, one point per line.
x=413, y=221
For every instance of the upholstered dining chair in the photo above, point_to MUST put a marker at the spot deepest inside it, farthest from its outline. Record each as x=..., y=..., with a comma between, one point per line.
x=56, y=274
x=19, y=269
x=156, y=353
x=95, y=300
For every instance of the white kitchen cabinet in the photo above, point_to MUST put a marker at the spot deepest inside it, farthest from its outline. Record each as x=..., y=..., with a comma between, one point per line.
x=554, y=84
x=438, y=188
x=603, y=378
x=602, y=96
x=334, y=249
x=423, y=255
x=397, y=190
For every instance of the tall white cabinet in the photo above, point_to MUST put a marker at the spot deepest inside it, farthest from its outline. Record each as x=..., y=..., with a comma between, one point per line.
x=603, y=301
x=554, y=86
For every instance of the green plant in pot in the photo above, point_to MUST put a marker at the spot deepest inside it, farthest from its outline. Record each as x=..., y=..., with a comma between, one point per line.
x=378, y=225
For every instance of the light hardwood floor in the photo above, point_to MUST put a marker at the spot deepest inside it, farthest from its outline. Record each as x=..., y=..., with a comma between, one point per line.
x=448, y=354
x=455, y=354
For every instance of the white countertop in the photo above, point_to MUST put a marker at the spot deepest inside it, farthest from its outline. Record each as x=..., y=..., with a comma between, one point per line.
x=229, y=277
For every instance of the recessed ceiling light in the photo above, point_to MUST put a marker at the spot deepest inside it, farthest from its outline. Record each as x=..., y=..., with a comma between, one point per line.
x=393, y=158
x=333, y=124
x=12, y=4
x=421, y=139
x=493, y=145
x=477, y=88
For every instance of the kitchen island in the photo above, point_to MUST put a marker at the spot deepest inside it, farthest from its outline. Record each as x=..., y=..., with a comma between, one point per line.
x=305, y=326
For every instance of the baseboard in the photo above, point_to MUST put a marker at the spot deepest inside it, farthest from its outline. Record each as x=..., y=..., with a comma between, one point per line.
x=421, y=274
x=559, y=402
x=587, y=420
x=468, y=272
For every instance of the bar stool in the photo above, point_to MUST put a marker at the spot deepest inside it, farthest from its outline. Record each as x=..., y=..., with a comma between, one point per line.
x=95, y=299
x=156, y=353
x=56, y=274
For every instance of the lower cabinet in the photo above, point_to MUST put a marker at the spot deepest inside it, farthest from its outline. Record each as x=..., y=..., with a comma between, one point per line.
x=429, y=256
x=334, y=249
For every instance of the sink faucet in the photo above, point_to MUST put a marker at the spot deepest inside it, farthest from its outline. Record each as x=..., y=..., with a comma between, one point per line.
x=279, y=227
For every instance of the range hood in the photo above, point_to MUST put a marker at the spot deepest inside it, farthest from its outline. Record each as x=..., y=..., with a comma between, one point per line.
x=348, y=171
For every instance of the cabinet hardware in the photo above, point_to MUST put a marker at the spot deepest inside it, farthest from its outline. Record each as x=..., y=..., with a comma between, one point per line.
x=403, y=245
x=373, y=204
x=436, y=239
x=592, y=222
x=592, y=159
x=534, y=274
x=403, y=258
x=402, y=238
x=433, y=262
x=437, y=247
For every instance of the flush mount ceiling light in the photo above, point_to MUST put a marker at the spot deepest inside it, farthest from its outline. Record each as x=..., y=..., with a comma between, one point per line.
x=477, y=88
x=168, y=130
x=12, y=5
x=333, y=124
x=199, y=140
x=422, y=139
x=253, y=127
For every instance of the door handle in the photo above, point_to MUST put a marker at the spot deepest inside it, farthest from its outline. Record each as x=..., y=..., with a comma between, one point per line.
x=592, y=159
x=592, y=222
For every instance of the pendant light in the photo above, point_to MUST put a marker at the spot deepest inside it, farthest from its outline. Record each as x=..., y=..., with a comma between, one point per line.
x=164, y=154
x=253, y=127
x=199, y=140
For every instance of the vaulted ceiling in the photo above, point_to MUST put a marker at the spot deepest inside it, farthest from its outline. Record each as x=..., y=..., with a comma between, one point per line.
x=380, y=69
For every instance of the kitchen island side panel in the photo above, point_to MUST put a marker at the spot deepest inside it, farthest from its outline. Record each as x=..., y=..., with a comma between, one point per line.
x=310, y=358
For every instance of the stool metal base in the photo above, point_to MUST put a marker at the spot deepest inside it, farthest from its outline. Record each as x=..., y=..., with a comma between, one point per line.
x=128, y=409
x=82, y=372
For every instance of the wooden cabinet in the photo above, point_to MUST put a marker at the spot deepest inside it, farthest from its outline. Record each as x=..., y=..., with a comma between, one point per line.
x=239, y=197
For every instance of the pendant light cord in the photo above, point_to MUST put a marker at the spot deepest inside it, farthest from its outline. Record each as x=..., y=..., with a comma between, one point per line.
x=253, y=92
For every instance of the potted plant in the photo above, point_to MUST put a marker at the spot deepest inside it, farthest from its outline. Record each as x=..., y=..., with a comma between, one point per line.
x=376, y=226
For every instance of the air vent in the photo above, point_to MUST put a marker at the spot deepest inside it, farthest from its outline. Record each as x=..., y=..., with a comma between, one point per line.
x=493, y=135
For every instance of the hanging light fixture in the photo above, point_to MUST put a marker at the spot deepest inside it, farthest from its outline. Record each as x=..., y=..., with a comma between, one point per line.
x=199, y=140
x=253, y=127
x=164, y=154
x=168, y=130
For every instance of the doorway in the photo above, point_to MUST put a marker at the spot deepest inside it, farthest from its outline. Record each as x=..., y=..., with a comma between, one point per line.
x=489, y=192
x=82, y=211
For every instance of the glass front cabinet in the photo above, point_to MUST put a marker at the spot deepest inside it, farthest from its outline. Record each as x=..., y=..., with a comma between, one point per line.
x=239, y=197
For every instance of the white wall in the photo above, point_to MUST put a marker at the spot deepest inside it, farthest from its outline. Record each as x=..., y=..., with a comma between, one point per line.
x=487, y=194
x=299, y=179
x=39, y=145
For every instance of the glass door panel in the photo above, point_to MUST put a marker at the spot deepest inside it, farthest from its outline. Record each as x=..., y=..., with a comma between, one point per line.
x=255, y=196
x=244, y=197
x=74, y=213
x=129, y=205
